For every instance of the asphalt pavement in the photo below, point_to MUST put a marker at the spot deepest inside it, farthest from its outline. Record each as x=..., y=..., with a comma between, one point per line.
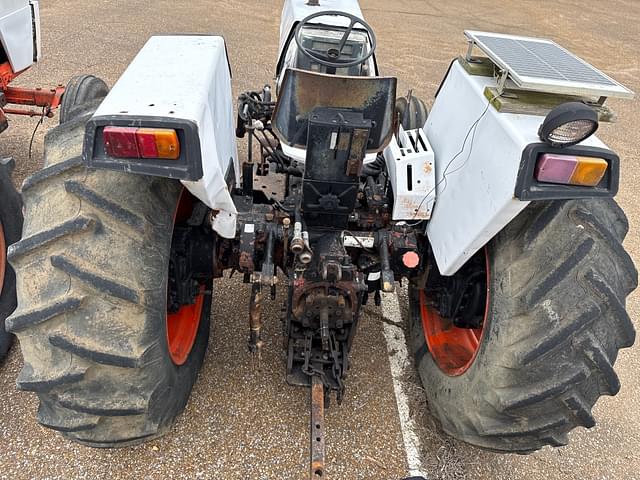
x=244, y=422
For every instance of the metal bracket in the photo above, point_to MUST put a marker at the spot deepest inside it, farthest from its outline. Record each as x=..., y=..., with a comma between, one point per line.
x=502, y=81
x=317, y=429
x=469, y=57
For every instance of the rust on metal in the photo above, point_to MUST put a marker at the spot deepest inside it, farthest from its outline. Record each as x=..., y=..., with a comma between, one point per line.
x=255, y=319
x=245, y=262
x=317, y=429
x=357, y=151
x=273, y=186
x=313, y=292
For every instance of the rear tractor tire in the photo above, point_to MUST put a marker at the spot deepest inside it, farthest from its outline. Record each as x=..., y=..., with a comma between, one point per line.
x=10, y=231
x=554, y=321
x=411, y=111
x=82, y=93
x=110, y=365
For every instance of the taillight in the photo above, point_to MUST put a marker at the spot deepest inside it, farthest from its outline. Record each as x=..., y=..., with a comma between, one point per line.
x=570, y=170
x=132, y=142
x=158, y=143
x=120, y=142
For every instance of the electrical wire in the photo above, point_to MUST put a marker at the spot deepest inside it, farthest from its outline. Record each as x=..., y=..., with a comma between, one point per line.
x=35, y=130
x=472, y=131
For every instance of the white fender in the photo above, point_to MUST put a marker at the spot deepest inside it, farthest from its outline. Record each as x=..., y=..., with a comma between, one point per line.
x=480, y=149
x=17, y=33
x=181, y=82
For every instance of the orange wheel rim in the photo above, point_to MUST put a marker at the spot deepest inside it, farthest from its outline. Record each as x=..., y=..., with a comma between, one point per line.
x=182, y=326
x=453, y=349
x=3, y=257
x=182, y=329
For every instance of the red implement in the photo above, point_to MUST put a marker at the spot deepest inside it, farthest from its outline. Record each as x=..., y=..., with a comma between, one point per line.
x=47, y=100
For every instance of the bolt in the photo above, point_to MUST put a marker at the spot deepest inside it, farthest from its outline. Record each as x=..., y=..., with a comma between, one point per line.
x=269, y=217
x=286, y=222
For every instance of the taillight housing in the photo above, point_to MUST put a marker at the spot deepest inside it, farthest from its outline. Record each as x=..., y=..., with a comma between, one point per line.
x=133, y=142
x=555, y=173
x=570, y=169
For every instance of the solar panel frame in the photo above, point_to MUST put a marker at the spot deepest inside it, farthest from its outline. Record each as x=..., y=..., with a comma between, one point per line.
x=562, y=71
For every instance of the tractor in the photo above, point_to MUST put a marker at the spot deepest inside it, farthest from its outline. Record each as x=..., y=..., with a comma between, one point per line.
x=494, y=210
x=20, y=49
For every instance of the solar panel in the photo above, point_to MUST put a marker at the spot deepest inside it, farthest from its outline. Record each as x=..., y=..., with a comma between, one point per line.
x=542, y=65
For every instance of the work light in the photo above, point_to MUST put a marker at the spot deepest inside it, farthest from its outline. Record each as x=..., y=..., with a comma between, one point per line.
x=568, y=124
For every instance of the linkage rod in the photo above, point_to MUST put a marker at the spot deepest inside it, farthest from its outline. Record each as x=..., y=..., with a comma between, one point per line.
x=317, y=429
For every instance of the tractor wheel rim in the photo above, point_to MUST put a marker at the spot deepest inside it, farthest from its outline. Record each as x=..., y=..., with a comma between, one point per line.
x=3, y=257
x=182, y=326
x=182, y=329
x=453, y=349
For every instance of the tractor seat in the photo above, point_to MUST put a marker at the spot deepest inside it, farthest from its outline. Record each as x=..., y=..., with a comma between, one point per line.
x=303, y=91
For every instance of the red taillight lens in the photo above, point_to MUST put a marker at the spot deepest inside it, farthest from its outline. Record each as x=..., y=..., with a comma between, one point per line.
x=132, y=142
x=120, y=142
x=147, y=144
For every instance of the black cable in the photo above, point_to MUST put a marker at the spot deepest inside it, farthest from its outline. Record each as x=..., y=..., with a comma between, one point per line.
x=33, y=135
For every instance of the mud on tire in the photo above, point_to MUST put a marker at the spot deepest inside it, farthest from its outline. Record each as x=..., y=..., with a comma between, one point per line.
x=10, y=231
x=559, y=278
x=92, y=295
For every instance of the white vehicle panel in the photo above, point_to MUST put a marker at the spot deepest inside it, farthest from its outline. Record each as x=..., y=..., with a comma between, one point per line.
x=410, y=163
x=186, y=77
x=476, y=200
x=16, y=33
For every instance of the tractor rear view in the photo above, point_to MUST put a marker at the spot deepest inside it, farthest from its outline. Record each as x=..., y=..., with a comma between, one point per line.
x=495, y=209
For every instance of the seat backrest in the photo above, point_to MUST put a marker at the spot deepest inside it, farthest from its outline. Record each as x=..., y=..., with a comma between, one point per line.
x=302, y=91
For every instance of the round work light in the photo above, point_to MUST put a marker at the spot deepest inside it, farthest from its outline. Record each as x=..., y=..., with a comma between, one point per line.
x=568, y=124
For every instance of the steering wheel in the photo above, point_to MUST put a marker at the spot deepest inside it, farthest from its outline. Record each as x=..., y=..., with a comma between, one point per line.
x=333, y=54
